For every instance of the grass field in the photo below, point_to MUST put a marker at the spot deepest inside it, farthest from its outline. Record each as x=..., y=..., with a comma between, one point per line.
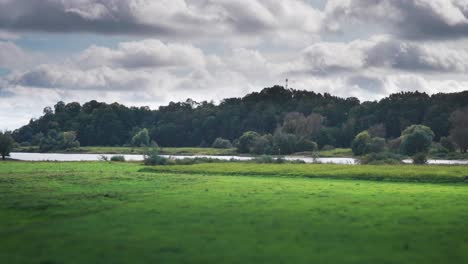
x=98, y=212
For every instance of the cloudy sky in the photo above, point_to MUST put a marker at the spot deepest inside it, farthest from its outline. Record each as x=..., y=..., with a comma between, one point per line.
x=151, y=52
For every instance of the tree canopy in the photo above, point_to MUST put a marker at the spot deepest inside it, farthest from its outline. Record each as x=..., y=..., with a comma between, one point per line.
x=320, y=118
x=6, y=144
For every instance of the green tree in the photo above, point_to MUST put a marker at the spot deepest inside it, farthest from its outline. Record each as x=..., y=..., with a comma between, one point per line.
x=246, y=141
x=222, y=143
x=361, y=144
x=376, y=145
x=141, y=138
x=58, y=141
x=416, y=139
x=6, y=144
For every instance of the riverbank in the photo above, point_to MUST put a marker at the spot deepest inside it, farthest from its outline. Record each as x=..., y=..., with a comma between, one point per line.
x=137, y=150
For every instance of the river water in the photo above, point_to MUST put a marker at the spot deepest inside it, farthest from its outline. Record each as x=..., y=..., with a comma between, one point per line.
x=95, y=157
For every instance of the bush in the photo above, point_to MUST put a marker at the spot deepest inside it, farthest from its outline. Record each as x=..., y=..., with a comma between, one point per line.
x=118, y=158
x=153, y=158
x=394, y=145
x=285, y=143
x=221, y=143
x=264, y=159
x=382, y=158
x=58, y=141
x=246, y=141
x=416, y=139
x=141, y=138
x=262, y=145
x=420, y=158
x=361, y=143
x=377, y=145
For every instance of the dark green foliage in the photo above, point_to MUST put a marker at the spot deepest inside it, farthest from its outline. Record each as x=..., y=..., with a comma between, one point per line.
x=416, y=139
x=222, y=143
x=420, y=158
x=246, y=142
x=285, y=143
x=381, y=158
x=376, y=145
x=153, y=158
x=321, y=118
x=394, y=145
x=364, y=144
x=141, y=138
x=361, y=144
x=459, y=132
x=448, y=144
x=264, y=159
x=118, y=158
x=58, y=141
x=6, y=144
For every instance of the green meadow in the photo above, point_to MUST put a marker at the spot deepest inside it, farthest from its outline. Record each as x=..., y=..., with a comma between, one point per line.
x=100, y=212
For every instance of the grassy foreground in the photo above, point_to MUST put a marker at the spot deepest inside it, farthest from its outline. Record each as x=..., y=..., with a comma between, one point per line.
x=97, y=212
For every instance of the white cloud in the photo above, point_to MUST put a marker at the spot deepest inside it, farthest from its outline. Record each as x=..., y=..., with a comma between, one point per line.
x=148, y=53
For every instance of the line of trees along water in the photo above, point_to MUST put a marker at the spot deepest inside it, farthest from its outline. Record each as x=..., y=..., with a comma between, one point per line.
x=320, y=118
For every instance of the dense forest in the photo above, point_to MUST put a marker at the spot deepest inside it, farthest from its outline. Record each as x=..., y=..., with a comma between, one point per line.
x=335, y=121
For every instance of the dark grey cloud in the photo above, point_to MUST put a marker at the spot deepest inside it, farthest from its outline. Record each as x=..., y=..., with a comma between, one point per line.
x=54, y=16
x=382, y=53
x=409, y=19
x=370, y=84
x=175, y=19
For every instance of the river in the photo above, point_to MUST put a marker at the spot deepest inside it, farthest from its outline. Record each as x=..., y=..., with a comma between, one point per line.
x=95, y=157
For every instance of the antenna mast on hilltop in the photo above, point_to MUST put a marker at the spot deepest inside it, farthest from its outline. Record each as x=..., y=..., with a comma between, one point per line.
x=287, y=82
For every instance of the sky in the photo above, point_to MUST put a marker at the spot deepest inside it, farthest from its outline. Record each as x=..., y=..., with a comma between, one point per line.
x=151, y=52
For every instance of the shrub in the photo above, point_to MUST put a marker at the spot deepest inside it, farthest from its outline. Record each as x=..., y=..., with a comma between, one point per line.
x=416, y=139
x=262, y=145
x=394, y=144
x=221, y=143
x=58, y=141
x=420, y=158
x=264, y=159
x=246, y=141
x=118, y=158
x=360, y=144
x=153, y=158
x=285, y=143
x=377, y=145
x=141, y=138
x=381, y=158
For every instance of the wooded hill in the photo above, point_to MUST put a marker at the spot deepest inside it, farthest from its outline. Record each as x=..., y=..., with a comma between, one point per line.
x=193, y=123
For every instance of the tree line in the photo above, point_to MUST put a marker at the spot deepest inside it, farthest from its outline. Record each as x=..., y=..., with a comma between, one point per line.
x=286, y=120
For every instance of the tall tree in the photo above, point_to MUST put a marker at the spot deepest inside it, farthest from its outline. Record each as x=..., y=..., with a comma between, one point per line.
x=6, y=144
